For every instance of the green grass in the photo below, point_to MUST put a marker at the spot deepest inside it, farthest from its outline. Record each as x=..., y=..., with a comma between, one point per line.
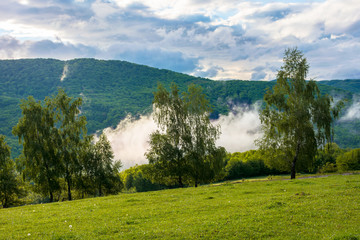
x=318, y=208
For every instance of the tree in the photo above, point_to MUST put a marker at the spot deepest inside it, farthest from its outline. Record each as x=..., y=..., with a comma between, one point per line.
x=297, y=119
x=185, y=146
x=53, y=135
x=167, y=149
x=349, y=160
x=205, y=159
x=72, y=132
x=9, y=187
x=101, y=168
x=37, y=132
x=326, y=157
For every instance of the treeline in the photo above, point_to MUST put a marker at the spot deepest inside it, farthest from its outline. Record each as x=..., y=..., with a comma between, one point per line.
x=113, y=89
x=59, y=160
x=240, y=165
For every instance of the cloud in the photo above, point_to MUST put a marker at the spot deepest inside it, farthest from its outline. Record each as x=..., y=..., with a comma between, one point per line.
x=258, y=73
x=159, y=58
x=9, y=47
x=12, y=48
x=47, y=48
x=129, y=140
x=225, y=39
x=240, y=129
x=210, y=72
x=353, y=112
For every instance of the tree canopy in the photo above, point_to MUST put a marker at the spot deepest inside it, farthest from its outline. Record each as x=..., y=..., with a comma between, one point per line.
x=39, y=135
x=9, y=185
x=297, y=119
x=55, y=147
x=185, y=146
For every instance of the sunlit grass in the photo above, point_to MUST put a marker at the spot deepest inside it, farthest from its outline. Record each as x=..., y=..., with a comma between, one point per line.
x=318, y=208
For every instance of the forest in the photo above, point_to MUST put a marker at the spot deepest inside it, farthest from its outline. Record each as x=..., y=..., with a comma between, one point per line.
x=113, y=89
x=61, y=161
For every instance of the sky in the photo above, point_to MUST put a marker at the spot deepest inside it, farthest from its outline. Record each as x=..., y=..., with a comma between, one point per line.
x=216, y=39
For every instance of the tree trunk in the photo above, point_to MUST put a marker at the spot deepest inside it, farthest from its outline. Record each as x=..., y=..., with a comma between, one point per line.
x=293, y=164
x=5, y=204
x=51, y=196
x=100, y=192
x=293, y=168
x=69, y=189
x=49, y=181
x=180, y=182
x=68, y=181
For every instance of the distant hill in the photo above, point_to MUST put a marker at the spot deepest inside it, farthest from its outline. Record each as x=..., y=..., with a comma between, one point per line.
x=113, y=89
x=351, y=85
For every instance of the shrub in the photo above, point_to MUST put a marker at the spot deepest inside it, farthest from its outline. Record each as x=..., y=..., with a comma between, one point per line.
x=349, y=160
x=246, y=164
x=328, y=168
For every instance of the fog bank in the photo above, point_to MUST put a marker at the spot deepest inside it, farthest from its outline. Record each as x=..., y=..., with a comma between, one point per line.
x=129, y=139
x=353, y=112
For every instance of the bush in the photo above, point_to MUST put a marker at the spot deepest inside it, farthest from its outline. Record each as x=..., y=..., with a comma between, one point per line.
x=246, y=164
x=349, y=160
x=325, y=156
x=328, y=168
x=137, y=179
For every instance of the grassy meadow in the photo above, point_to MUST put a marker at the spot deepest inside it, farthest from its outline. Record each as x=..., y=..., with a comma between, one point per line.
x=313, y=208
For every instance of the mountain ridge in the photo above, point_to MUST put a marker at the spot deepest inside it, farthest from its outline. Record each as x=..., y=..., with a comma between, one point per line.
x=112, y=89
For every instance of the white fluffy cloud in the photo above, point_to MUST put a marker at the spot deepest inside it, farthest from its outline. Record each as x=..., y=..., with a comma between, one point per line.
x=225, y=39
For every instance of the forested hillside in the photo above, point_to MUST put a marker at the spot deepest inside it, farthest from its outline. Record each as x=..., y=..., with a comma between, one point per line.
x=113, y=89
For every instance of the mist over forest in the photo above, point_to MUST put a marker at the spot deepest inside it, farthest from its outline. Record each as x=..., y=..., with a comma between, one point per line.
x=117, y=99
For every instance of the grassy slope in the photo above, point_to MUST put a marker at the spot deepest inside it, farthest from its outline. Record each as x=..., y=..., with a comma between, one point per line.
x=319, y=208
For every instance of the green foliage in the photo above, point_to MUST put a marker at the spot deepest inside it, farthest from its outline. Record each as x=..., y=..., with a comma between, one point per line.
x=349, y=160
x=186, y=148
x=37, y=132
x=347, y=133
x=72, y=129
x=247, y=164
x=57, y=153
x=297, y=119
x=315, y=208
x=10, y=189
x=204, y=158
x=352, y=85
x=100, y=169
x=167, y=152
x=328, y=168
x=139, y=179
x=325, y=158
x=113, y=89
